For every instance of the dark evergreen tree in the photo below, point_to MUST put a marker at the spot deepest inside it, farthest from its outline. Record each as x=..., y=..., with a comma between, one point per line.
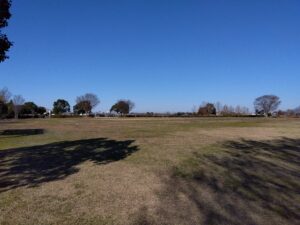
x=61, y=106
x=5, y=44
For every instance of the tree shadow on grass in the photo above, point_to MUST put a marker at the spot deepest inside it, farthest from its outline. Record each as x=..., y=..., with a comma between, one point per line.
x=21, y=132
x=254, y=182
x=31, y=166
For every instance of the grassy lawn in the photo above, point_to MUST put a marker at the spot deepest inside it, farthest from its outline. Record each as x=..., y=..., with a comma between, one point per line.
x=150, y=171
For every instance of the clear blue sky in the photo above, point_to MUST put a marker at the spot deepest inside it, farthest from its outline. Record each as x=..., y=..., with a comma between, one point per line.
x=163, y=55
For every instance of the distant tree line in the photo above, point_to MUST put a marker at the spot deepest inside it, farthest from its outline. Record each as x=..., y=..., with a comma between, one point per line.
x=86, y=103
x=15, y=106
x=217, y=109
x=289, y=112
x=265, y=105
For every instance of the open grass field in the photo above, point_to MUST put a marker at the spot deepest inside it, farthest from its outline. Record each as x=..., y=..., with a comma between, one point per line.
x=150, y=171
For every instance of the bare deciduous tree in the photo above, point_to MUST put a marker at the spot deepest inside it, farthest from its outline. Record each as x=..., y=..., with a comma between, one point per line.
x=89, y=97
x=225, y=110
x=18, y=102
x=231, y=109
x=83, y=107
x=245, y=110
x=266, y=104
x=194, y=109
x=238, y=110
x=218, y=106
x=4, y=95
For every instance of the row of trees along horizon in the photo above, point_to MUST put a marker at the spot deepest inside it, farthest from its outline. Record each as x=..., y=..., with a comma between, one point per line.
x=16, y=107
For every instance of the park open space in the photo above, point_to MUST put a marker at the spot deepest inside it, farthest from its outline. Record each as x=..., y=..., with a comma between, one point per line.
x=150, y=171
x=166, y=112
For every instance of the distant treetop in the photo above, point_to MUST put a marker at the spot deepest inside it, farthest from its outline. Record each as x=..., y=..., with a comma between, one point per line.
x=266, y=104
x=122, y=107
x=88, y=97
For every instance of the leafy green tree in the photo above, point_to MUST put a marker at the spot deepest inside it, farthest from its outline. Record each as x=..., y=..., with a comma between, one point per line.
x=82, y=107
x=10, y=109
x=61, y=106
x=3, y=109
x=29, y=108
x=4, y=98
x=41, y=110
x=5, y=44
x=122, y=107
x=89, y=97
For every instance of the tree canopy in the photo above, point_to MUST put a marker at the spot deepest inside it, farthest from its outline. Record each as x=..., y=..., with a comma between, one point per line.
x=29, y=108
x=3, y=108
x=207, y=110
x=5, y=44
x=88, y=97
x=122, y=107
x=41, y=110
x=61, y=106
x=266, y=104
x=82, y=107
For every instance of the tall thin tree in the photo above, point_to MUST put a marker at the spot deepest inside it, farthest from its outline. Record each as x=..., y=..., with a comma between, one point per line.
x=18, y=102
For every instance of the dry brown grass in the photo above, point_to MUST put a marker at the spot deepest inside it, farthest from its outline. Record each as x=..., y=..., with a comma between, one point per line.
x=150, y=171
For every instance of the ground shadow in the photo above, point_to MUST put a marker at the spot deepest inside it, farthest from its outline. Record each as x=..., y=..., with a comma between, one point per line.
x=31, y=166
x=253, y=182
x=21, y=132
